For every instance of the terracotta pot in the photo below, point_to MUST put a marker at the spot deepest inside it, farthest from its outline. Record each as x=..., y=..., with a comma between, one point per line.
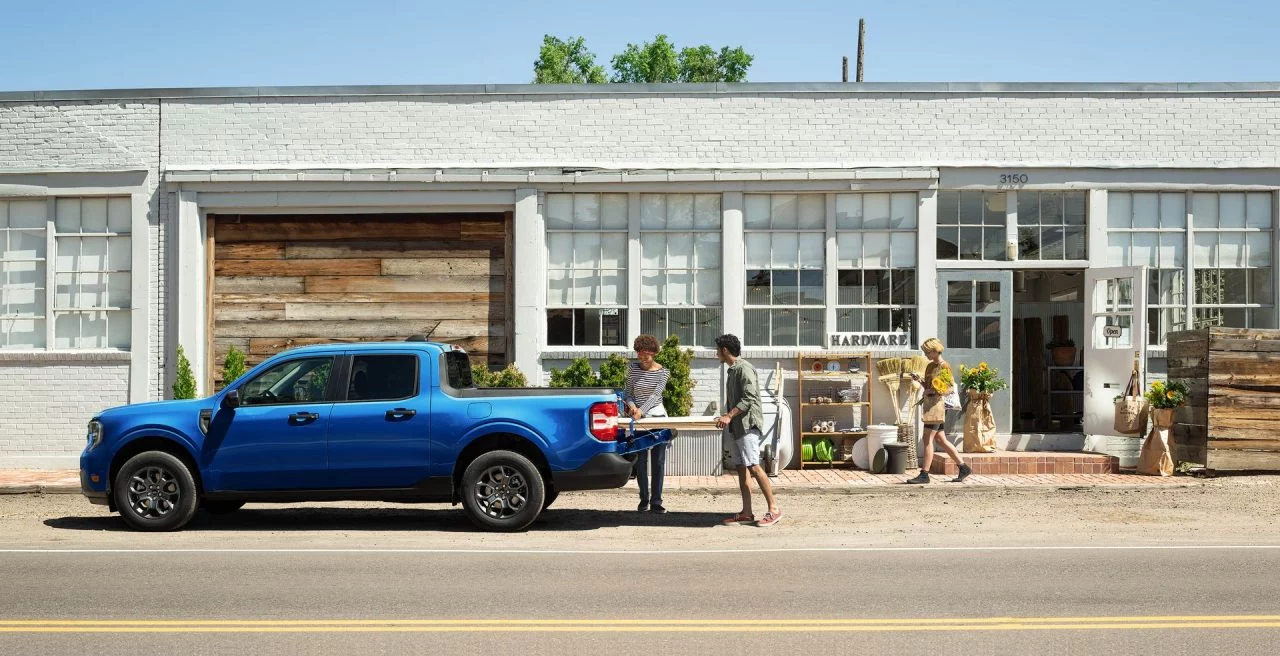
x=1063, y=356
x=1162, y=418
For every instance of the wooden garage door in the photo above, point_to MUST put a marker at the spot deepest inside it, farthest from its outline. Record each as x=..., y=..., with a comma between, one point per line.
x=284, y=281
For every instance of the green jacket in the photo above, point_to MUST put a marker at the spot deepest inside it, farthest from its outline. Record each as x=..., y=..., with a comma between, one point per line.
x=743, y=393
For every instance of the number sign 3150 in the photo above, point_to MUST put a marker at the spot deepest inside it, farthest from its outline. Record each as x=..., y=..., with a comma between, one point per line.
x=1014, y=178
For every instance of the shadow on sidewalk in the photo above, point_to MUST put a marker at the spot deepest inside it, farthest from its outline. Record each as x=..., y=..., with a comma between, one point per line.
x=396, y=519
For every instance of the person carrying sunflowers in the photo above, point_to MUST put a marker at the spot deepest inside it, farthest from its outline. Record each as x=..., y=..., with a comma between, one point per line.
x=938, y=380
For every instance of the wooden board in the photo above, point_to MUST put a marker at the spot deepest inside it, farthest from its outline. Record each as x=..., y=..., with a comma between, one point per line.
x=281, y=281
x=677, y=423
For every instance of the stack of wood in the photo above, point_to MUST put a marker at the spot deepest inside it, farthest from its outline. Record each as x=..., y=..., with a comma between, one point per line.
x=1232, y=418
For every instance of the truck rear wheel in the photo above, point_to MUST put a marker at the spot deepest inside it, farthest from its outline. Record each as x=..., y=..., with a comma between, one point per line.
x=155, y=491
x=502, y=491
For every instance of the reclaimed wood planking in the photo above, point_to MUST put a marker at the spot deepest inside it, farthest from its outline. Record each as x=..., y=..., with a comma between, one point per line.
x=250, y=251
x=374, y=297
x=1226, y=459
x=337, y=229
x=377, y=311
x=442, y=267
x=271, y=346
x=347, y=267
x=258, y=284
x=466, y=284
x=397, y=249
x=345, y=328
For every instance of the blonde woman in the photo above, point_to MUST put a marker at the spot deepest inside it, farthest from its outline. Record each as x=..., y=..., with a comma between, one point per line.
x=939, y=378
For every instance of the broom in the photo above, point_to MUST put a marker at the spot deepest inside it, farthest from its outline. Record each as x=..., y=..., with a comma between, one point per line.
x=891, y=372
x=906, y=428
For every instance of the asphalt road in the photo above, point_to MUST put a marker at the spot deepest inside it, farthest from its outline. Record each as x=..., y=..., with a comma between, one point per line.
x=1184, y=572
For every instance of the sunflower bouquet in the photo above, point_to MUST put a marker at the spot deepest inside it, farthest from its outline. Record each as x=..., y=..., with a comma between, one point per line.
x=942, y=381
x=982, y=379
x=1172, y=394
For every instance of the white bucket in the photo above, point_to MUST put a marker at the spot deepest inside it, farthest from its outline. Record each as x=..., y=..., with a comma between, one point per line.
x=879, y=435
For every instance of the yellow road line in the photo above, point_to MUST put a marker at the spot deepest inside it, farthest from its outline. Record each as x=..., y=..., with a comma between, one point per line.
x=597, y=625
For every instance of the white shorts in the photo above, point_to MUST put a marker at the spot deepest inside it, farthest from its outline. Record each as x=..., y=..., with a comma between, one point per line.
x=744, y=451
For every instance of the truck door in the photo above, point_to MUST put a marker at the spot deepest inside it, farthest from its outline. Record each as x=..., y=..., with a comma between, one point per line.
x=275, y=440
x=380, y=426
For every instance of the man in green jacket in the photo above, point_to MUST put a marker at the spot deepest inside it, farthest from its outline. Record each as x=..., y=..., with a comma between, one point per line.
x=743, y=422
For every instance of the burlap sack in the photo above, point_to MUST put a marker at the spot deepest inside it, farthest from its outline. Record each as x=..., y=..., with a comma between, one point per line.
x=932, y=411
x=979, y=424
x=1156, y=458
x=1131, y=410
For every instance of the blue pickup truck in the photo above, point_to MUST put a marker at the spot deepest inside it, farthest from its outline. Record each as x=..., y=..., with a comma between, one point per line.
x=379, y=422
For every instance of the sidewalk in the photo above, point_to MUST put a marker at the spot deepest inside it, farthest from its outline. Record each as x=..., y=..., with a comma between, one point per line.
x=20, y=481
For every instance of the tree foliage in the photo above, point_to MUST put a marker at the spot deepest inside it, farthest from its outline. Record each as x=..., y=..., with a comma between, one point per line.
x=678, y=397
x=577, y=374
x=510, y=376
x=233, y=367
x=568, y=61
x=184, y=380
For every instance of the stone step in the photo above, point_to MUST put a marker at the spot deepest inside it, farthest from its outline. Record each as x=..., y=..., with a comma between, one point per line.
x=1028, y=462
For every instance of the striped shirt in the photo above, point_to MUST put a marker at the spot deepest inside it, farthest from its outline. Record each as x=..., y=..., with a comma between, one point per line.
x=644, y=388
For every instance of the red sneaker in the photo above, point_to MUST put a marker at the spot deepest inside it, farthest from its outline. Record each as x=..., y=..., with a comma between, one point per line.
x=769, y=519
x=737, y=520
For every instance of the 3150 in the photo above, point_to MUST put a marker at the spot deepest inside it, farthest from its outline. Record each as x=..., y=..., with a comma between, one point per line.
x=1014, y=178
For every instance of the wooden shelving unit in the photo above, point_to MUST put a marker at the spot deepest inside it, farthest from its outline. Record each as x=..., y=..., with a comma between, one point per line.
x=811, y=383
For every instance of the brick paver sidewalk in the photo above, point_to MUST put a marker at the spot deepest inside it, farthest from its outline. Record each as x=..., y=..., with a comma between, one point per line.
x=17, y=481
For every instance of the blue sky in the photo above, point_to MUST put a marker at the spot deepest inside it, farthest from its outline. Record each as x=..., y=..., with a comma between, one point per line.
x=82, y=44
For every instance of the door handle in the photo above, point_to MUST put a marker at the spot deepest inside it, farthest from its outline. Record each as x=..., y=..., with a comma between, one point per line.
x=303, y=417
x=401, y=413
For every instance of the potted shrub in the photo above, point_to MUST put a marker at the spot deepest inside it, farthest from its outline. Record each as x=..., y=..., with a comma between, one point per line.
x=1063, y=353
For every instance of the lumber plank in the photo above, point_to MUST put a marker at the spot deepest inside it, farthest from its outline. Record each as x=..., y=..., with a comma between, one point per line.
x=442, y=267
x=344, y=328
x=397, y=249
x=350, y=267
x=258, y=284
x=249, y=251
x=379, y=311
x=471, y=284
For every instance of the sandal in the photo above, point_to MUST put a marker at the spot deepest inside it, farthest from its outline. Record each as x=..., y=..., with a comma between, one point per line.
x=738, y=519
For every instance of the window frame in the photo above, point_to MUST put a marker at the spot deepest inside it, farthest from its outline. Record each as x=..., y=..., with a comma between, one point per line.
x=665, y=308
x=1017, y=199
x=773, y=307
x=1175, y=236
x=342, y=393
x=1001, y=228
x=1195, y=307
x=573, y=307
x=334, y=374
x=910, y=310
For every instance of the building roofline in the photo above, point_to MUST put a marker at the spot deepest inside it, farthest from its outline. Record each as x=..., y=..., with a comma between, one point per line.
x=754, y=88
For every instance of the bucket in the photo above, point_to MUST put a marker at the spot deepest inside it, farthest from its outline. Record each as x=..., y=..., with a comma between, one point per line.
x=879, y=435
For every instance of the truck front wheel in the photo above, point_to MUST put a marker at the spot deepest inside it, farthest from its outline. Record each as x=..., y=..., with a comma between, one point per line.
x=155, y=492
x=502, y=491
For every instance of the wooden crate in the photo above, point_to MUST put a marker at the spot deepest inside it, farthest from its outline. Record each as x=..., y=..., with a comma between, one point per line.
x=1232, y=418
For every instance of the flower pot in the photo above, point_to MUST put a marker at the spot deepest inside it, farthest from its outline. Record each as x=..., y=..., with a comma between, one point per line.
x=979, y=424
x=1162, y=418
x=1063, y=356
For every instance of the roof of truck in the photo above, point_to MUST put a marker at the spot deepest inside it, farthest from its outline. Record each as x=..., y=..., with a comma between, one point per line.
x=372, y=346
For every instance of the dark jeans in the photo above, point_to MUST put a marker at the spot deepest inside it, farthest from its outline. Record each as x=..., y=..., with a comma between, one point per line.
x=659, y=459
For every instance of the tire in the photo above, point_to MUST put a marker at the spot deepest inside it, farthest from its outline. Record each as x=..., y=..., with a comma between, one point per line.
x=552, y=495
x=513, y=487
x=154, y=491
x=220, y=507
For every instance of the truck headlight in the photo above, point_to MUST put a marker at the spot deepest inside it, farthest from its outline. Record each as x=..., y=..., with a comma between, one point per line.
x=95, y=433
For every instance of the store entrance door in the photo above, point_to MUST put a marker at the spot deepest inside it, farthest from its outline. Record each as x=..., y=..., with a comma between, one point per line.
x=1115, y=341
x=972, y=305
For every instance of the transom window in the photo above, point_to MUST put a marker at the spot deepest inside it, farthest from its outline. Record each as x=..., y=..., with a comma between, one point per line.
x=786, y=256
x=876, y=281
x=586, y=269
x=680, y=288
x=972, y=225
x=1051, y=225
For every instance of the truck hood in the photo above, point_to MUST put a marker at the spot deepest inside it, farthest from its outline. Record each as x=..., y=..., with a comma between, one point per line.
x=154, y=409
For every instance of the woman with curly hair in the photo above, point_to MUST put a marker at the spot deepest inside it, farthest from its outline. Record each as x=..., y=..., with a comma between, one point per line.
x=646, y=380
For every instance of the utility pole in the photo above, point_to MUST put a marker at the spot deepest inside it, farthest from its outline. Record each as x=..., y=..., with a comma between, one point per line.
x=862, y=34
x=844, y=69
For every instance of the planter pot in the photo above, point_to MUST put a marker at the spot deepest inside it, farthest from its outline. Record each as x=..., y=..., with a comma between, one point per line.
x=1063, y=356
x=979, y=424
x=1156, y=456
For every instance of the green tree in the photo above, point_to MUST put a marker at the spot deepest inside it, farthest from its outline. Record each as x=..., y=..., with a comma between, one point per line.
x=184, y=381
x=703, y=64
x=566, y=62
x=577, y=374
x=233, y=367
x=652, y=62
x=678, y=397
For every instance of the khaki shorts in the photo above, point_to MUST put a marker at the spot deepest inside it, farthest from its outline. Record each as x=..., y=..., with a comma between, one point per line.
x=744, y=451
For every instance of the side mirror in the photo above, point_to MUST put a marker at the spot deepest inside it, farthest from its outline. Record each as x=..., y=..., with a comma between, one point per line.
x=231, y=400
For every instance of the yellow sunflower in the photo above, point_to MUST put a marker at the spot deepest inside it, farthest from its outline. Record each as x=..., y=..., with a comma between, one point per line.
x=983, y=366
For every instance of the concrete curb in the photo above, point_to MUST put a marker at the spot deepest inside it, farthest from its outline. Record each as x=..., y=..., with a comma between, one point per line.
x=40, y=488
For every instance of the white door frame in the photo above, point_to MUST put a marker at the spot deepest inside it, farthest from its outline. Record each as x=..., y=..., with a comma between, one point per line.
x=1109, y=359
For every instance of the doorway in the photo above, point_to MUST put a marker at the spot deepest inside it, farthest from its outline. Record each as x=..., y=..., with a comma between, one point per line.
x=1047, y=381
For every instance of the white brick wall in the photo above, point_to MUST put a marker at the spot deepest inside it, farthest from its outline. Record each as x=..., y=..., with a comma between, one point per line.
x=746, y=129
x=48, y=404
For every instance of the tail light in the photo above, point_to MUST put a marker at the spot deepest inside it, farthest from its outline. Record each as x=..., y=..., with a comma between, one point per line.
x=604, y=421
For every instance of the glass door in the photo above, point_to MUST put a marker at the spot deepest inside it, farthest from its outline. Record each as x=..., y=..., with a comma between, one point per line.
x=1116, y=338
x=972, y=305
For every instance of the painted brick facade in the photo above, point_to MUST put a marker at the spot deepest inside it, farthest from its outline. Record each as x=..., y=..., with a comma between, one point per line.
x=622, y=127
x=48, y=404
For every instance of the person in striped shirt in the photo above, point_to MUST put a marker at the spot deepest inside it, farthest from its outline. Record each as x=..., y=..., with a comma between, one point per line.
x=646, y=380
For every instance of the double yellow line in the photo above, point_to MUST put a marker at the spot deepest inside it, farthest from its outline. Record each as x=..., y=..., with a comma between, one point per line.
x=645, y=625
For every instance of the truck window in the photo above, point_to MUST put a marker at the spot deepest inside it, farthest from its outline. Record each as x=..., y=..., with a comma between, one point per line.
x=383, y=378
x=294, y=381
x=458, y=369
